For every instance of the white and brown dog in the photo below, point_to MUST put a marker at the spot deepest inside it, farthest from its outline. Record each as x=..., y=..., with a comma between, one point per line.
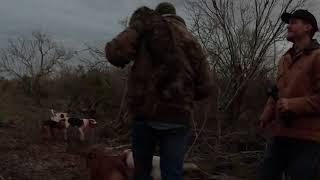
x=61, y=121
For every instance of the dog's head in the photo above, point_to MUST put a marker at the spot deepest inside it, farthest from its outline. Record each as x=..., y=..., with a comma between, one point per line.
x=58, y=116
x=99, y=159
x=127, y=157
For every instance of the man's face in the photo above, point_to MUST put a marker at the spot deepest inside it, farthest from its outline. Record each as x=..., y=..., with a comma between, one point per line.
x=297, y=29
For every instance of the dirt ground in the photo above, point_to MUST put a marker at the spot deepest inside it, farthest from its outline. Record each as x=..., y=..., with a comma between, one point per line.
x=27, y=158
x=25, y=155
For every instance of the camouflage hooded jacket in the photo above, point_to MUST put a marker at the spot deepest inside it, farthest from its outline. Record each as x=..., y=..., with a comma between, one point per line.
x=169, y=71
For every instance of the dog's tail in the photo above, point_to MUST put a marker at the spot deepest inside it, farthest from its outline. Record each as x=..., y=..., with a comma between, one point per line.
x=45, y=125
x=188, y=166
x=52, y=111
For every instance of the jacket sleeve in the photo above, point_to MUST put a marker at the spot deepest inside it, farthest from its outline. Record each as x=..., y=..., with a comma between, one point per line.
x=309, y=104
x=203, y=86
x=268, y=113
x=122, y=49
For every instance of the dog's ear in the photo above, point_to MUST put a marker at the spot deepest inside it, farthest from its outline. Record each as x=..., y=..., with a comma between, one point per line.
x=91, y=155
x=91, y=152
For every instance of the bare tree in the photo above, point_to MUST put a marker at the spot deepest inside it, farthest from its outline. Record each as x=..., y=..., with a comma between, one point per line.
x=238, y=37
x=93, y=58
x=32, y=60
x=124, y=22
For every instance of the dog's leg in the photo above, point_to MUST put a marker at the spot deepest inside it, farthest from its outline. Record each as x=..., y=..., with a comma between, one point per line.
x=48, y=132
x=45, y=132
x=65, y=135
x=52, y=132
x=81, y=134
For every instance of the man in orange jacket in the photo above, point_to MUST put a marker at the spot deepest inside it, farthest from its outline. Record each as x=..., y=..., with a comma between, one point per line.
x=294, y=118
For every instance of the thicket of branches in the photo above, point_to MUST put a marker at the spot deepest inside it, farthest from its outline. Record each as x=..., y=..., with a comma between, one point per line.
x=239, y=37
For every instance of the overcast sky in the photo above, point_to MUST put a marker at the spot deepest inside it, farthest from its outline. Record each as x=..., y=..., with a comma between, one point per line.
x=69, y=21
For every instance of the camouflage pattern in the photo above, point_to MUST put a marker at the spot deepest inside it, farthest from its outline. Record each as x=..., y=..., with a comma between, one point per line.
x=170, y=70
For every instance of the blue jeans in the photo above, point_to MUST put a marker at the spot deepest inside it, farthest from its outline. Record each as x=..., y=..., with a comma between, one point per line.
x=297, y=158
x=172, y=142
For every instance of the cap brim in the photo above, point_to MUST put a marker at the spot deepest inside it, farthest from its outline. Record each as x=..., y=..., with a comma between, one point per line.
x=285, y=17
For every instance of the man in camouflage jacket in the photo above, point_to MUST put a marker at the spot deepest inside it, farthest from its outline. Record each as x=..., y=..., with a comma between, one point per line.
x=169, y=73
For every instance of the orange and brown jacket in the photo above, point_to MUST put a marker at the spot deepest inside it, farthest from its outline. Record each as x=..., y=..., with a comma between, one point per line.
x=184, y=73
x=298, y=80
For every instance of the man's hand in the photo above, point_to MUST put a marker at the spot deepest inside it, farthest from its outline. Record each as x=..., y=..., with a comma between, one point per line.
x=283, y=105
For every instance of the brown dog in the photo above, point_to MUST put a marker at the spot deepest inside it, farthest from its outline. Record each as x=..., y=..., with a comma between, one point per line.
x=121, y=167
x=105, y=166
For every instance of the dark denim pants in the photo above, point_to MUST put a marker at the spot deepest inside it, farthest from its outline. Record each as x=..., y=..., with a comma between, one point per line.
x=172, y=143
x=297, y=158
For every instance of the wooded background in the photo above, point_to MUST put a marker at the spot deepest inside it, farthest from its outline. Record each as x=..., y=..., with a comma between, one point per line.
x=243, y=41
